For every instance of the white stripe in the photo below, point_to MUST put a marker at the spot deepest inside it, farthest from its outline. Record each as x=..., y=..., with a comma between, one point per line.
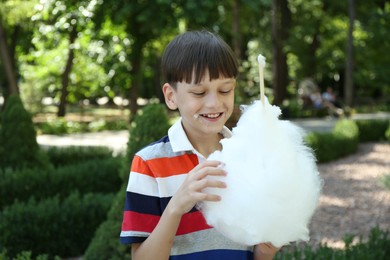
x=159, y=187
x=169, y=185
x=134, y=234
x=142, y=184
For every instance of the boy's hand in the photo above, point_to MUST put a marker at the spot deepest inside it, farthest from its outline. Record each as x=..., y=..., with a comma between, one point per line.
x=190, y=192
x=265, y=251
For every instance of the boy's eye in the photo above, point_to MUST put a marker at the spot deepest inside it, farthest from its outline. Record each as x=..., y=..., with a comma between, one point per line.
x=225, y=91
x=198, y=93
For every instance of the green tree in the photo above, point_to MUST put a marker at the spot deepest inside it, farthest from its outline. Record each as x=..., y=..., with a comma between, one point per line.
x=18, y=144
x=15, y=33
x=143, y=22
x=68, y=19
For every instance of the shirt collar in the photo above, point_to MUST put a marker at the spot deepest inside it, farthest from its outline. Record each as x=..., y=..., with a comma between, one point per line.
x=179, y=140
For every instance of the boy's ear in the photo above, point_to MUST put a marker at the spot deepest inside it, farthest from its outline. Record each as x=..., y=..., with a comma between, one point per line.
x=170, y=96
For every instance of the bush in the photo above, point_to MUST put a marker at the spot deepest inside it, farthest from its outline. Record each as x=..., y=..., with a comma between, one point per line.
x=18, y=143
x=90, y=176
x=60, y=156
x=53, y=226
x=372, y=130
x=149, y=125
x=26, y=255
x=343, y=140
x=105, y=244
x=387, y=134
x=377, y=247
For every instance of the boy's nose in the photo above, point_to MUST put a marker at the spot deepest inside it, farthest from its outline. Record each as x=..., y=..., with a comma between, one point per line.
x=213, y=100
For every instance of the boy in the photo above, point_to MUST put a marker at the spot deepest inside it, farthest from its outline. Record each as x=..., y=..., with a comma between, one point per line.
x=167, y=178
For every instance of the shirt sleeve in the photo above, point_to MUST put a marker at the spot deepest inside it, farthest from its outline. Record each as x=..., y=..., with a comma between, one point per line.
x=142, y=209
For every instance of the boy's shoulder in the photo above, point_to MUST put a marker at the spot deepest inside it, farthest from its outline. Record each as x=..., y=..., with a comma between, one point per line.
x=159, y=149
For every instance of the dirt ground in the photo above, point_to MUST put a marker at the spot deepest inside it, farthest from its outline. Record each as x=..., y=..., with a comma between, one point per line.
x=353, y=200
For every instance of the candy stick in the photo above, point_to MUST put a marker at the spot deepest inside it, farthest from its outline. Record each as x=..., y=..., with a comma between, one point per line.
x=261, y=61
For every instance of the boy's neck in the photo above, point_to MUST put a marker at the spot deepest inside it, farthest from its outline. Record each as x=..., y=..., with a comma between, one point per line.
x=206, y=145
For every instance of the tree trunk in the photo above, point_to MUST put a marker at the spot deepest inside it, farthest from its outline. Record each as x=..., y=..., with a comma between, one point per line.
x=280, y=24
x=236, y=28
x=65, y=75
x=136, y=59
x=348, y=84
x=313, y=47
x=8, y=63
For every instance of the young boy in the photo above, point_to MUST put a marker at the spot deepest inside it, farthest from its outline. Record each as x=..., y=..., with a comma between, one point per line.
x=167, y=177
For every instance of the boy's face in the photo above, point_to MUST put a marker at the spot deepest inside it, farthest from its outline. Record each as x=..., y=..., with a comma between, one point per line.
x=204, y=107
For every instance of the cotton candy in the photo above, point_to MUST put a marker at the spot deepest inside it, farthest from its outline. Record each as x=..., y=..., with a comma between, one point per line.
x=273, y=184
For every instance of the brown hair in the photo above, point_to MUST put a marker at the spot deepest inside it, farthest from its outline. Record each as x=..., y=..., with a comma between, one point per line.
x=195, y=52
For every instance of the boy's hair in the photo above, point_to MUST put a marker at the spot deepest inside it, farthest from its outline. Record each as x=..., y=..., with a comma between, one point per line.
x=193, y=53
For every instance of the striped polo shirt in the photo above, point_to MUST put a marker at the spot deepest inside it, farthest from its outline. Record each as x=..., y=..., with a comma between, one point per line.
x=157, y=171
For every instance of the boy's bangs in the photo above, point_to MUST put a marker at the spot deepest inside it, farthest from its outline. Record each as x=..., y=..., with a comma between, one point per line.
x=188, y=59
x=217, y=61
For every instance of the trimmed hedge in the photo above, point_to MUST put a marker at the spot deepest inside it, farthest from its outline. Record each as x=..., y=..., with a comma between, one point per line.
x=60, y=156
x=150, y=124
x=90, y=176
x=342, y=141
x=52, y=226
x=372, y=130
x=377, y=247
x=105, y=244
x=18, y=143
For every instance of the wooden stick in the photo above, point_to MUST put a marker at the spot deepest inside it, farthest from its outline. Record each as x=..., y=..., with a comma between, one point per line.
x=261, y=61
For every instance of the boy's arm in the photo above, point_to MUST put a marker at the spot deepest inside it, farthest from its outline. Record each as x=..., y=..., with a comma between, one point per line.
x=264, y=251
x=159, y=243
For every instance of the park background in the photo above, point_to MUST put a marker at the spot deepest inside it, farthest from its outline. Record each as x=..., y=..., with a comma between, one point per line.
x=87, y=66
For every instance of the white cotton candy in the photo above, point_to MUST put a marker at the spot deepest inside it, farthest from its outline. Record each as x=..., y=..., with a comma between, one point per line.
x=273, y=184
x=261, y=60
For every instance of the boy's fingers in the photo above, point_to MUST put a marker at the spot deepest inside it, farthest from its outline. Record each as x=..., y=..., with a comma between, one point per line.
x=207, y=164
x=212, y=171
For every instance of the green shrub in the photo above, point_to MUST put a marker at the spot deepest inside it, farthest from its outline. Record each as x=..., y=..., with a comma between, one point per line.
x=342, y=141
x=52, y=226
x=387, y=134
x=90, y=176
x=61, y=126
x=18, y=143
x=105, y=244
x=385, y=180
x=26, y=255
x=60, y=156
x=372, y=130
x=149, y=125
x=377, y=247
x=348, y=134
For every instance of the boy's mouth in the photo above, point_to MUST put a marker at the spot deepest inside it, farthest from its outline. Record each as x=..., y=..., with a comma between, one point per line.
x=212, y=116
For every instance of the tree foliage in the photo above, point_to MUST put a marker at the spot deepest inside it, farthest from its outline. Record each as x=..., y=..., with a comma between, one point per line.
x=119, y=43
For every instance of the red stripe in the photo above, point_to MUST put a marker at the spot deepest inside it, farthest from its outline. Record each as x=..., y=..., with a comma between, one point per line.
x=190, y=222
x=169, y=166
x=140, y=166
x=133, y=221
x=166, y=166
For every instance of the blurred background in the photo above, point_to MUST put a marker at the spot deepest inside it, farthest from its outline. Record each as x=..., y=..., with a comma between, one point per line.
x=61, y=55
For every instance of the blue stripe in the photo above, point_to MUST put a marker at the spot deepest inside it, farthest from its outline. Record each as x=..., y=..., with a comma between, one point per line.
x=131, y=240
x=216, y=255
x=165, y=139
x=147, y=204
